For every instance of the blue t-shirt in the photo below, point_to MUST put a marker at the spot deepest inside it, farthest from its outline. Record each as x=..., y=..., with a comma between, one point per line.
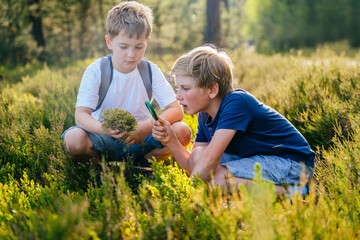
x=260, y=129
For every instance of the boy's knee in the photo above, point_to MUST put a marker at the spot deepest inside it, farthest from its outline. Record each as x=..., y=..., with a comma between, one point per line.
x=221, y=177
x=76, y=142
x=196, y=152
x=195, y=155
x=182, y=132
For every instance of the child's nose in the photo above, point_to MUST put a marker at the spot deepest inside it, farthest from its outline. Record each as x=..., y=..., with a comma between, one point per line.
x=131, y=53
x=178, y=96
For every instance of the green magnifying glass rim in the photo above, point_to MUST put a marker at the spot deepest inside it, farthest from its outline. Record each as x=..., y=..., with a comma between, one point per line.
x=151, y=110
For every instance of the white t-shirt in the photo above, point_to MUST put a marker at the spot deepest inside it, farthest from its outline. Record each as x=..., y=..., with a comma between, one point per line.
x=126, y=91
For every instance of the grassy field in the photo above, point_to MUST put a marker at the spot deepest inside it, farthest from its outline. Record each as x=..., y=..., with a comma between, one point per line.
x=44, y=196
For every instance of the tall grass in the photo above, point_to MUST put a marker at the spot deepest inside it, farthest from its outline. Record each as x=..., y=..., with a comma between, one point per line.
x=45, y=196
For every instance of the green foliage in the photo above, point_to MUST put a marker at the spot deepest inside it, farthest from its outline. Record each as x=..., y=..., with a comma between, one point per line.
x=30, y=211
x=315, y=93
x=45, y=196
x=119, y=119
x=34, y=113
x=192, y=122
x=278, y=25
x=33, y=31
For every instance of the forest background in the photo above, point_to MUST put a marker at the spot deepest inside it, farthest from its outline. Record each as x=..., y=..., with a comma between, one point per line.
x=55, y=31
x=300, y=57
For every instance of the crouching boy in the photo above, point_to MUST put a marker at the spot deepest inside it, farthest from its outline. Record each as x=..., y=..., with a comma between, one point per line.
x=235, y=130
x=129, y=26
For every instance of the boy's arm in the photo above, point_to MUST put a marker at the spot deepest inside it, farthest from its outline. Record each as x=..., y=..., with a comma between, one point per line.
x=84, y=119
x=163, y=132
x=210, y=158
x=173, y=113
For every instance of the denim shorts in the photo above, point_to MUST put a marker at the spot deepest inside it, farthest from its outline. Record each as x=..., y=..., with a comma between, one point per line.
x=116, y=150
x=273, y=168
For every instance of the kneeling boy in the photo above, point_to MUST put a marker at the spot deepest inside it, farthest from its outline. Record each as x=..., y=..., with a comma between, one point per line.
x=235, y=130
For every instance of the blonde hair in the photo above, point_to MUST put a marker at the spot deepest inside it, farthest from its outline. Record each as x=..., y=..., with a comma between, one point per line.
x=130, y=17
x=207, y=65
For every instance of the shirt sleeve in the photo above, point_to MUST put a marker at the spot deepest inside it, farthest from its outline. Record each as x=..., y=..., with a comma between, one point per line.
x=164, y=93
x=235, y=114
x=88, y=95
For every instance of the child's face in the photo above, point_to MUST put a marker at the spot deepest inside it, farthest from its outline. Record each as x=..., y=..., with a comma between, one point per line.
x=128, y=52
x=193, y=99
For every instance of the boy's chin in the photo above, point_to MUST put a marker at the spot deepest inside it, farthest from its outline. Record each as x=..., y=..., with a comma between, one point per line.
x=127, y=68
x=189, y=112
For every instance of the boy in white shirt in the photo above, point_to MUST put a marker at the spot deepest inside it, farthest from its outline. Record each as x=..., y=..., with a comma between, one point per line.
x=129, y=26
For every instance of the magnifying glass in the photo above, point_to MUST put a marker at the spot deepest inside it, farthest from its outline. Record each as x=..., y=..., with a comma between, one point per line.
x=151, y=110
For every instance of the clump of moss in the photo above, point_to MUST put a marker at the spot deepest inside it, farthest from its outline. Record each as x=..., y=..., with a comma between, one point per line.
x=119, y=119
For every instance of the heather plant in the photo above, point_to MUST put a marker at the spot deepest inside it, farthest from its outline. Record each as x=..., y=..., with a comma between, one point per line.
x=314, y=93
x=34, y=113
x=43, y=195
x=119, y=119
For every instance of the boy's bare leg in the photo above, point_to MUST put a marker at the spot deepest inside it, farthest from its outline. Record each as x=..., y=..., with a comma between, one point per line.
x=79, y=146
x=223, y=177
x=182, y=132
x=195, y=156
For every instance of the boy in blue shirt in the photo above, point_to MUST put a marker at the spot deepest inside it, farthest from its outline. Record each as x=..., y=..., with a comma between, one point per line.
x=129, y=25
x=235, y=130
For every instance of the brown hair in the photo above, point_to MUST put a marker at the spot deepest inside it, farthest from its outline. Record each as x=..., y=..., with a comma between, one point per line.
x=131, y=17
x=207, y=65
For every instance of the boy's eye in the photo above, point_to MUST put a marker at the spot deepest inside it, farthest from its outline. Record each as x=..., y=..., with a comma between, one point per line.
x=181, y=88
x=123, y=47
x=139, y=48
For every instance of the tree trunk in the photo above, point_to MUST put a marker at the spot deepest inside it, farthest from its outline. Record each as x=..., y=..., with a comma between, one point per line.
x=212, y=27
x=68, y=31
x=84, y=8
x=35, y=18
x=103, y=23
x=37, y=24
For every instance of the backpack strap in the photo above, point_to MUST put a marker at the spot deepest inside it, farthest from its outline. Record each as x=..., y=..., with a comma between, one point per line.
x=106, y=68
x=146, y=75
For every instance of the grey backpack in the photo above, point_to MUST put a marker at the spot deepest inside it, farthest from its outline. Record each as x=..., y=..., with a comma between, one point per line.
x=106, y=68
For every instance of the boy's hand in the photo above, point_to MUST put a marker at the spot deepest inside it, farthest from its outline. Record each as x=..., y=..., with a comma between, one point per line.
x=130, y=138
x=115, y=133
x=162, y=131
x=142, y=131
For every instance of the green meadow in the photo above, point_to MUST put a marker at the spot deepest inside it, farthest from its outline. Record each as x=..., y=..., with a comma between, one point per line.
x=43, y=195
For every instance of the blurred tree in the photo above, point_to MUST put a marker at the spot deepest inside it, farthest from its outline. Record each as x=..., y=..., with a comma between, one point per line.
x=282, y=24
x=35, y=18
x=74, y=29
x=13, y=32
x=178, y=25
x=83, y=9
x=354, y=15
x=212, y=33
x=232, y=23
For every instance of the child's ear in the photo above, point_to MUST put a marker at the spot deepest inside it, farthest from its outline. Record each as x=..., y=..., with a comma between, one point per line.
x=108, y=42
x=214, y=90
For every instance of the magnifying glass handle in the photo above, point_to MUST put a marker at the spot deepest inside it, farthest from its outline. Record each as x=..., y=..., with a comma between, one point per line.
x=152, y=111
